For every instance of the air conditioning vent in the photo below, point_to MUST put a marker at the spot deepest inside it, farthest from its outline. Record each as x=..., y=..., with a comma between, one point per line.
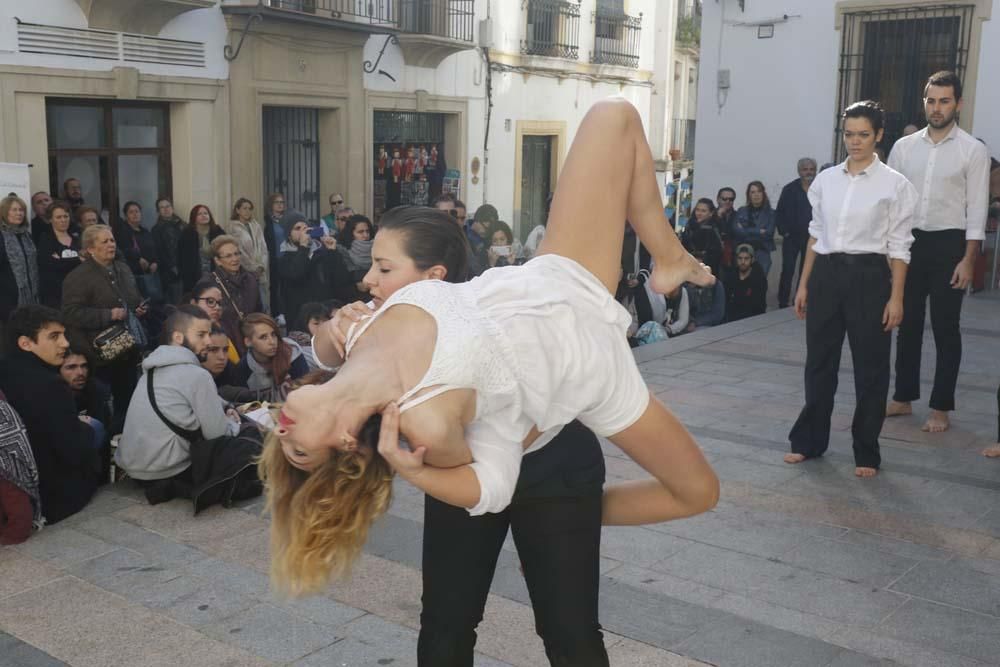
x=105, y=45
x=142, y=49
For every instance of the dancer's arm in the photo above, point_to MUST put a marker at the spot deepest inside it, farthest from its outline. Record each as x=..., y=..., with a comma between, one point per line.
x=685, y=484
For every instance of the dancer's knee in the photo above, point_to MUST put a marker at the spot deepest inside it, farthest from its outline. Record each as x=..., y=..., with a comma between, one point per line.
x=615, y=114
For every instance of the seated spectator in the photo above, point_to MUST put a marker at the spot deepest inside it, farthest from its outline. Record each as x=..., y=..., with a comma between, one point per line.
x=240, y=294
x=65, y=445
x=96, y=295
x=501, y=251
x=91, y=396
x=194, y=252
x=755, y=224
x=20, y=503
x=746, y=291
x=271, y=362
x=223, y=370
x=139, y=247
x=708, y=304
x=59, y=252
x=311, y=317
x=207, y=295
x=175, y=417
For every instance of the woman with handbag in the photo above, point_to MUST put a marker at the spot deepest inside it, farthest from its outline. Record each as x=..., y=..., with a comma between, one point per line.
x=240, y=291
x=101, y=302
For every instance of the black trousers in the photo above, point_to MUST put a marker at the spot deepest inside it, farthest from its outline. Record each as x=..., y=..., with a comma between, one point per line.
x=847, y=294
x=932, y=262
x=555, y=518
x=121, y=375
x=793, y=251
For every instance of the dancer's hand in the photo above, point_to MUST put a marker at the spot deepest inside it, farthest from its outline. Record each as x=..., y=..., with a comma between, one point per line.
x=337, y=328
x=407, y=464
x=801, y=297
x=893, y=314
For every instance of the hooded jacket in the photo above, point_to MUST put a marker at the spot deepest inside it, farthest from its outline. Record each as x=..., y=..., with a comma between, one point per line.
x=255, y=377
x=186, y=395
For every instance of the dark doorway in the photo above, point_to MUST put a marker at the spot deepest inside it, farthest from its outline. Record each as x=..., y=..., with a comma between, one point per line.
x=291, y=157
x=536, y=181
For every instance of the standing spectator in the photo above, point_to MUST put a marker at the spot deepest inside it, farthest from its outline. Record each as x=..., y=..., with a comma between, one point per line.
x=59, y=252
x=852, y=284
x=139, y=248
x=65, y=445
x=274, y=234
x=253, y=245
x=951, y=172
x=501, y=251
x=97, y=294
x=726, y=214
x=297, y=251
x=329, y=221
x=72, y=193
x=701, y=235
x=355, y=245
x=167, y=237
x=19, y=280
x=194, y=251
x=343, y=215
x=39, y=205
x=207, y=295
x=271, y=362
x=240, y=292
x=792, y=218
x=461, y=213
x=755, y=223
x=87, y=216
x=746, y=291
x=445, y=202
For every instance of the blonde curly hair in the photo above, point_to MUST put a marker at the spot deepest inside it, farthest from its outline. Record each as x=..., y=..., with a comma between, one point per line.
x=320, y=520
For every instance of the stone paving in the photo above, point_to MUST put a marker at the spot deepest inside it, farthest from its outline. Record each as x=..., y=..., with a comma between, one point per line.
x=798, y=566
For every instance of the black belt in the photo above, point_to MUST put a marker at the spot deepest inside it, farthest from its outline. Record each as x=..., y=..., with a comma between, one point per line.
x=862, y=259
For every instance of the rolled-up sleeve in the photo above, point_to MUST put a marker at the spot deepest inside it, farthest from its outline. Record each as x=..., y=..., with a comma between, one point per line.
x=901, y=211
x=815, y=195
x=497, y=463
x=977, y=193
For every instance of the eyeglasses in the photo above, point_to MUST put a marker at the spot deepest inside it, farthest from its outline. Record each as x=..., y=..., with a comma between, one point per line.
x=279, y=201
x=727, y=198
x=231, y=255
x=336, y=202
x=212, y=302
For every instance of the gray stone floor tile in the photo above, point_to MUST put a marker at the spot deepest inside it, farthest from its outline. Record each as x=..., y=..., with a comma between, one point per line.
x=164, y=550
x=64, y=546
x=852, y=659
x=639, y=545
x=748, y=536
x=368, y=641
x=16, y=653
x=321, y=609
x=193, y=601
x=736, y=643
x=391, y=532
x=272, y=633
x=954, y=584
x=651, y=618
x=898, y=651
x=891, y=545
x=235, y=577
x=121, y=564
x=945, y=628
x=849, y=562
x=775, y=474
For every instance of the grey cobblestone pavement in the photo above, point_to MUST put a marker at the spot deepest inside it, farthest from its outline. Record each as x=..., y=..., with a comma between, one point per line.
x=798, y=566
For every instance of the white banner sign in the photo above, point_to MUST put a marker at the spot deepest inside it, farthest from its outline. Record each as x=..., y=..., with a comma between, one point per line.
x=15, y=178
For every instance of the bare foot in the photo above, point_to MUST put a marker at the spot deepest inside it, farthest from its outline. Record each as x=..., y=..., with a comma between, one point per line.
x=669, y=275
x=938, y=422
x=992, y=452
x=897, y=409
x=794, y=458
x=861, y=471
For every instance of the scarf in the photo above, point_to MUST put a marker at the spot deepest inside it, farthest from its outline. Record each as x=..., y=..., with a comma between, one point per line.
x=360, y=254
x=23, y=261
x=17, y=463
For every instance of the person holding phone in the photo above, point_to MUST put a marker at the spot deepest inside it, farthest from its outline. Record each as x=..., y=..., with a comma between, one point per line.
x=501, y=250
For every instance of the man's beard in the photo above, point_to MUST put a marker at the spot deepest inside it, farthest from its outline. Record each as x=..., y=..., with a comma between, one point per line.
x=939, y=124
x=202, y=356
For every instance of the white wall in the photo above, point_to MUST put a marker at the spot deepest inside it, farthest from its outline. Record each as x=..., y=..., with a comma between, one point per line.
x=200, y=25
x=781, y=104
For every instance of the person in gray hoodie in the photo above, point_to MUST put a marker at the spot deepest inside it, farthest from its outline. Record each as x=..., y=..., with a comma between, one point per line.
x=185, y=395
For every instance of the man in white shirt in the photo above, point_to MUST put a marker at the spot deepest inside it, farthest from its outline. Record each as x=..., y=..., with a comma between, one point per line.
x=950, y=170
x=861, y=218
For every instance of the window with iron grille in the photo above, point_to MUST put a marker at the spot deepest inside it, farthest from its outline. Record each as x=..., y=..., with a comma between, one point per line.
x=552, y=29
x=616, y=36
x=887, y=55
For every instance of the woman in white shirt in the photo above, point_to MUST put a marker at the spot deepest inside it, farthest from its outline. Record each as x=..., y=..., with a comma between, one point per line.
x=853, y=281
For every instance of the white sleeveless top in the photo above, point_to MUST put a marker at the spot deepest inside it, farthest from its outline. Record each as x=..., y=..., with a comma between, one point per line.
x=541, y=345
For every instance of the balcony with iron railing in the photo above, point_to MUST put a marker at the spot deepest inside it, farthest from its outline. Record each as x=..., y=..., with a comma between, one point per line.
x=552, y=29
x=616, y=39
x=427, y=30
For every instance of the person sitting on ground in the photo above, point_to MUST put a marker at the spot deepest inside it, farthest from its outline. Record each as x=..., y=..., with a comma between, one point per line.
x=207, y=295
x=20, y=503
x=156, y=446
x=271, y=361
x=66, y=446
x=91, y=396
x=223, y=370
x=501, y=251
x=746, y=292
x=311, y=317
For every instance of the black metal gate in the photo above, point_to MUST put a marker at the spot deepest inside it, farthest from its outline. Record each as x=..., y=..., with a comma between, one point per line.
x=291, y=157
x=887, y=55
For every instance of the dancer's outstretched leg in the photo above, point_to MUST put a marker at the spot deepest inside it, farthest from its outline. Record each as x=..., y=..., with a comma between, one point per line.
x=609, y=178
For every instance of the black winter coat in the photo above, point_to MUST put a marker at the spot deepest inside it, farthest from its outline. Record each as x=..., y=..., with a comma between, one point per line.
x=189, y=254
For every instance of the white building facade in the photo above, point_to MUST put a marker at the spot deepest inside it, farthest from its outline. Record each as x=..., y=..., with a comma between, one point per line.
x=776, y=73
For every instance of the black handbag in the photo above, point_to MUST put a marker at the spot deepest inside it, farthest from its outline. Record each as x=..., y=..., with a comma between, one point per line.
x=114, y=342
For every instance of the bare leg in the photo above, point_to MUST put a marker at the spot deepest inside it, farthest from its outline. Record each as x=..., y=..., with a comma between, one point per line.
x=608, y=179
x=898, y=408
x=938, y=422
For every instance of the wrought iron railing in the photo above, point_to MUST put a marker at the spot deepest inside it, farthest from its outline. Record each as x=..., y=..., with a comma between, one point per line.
x=453, y=19
x=616, y=39
x=552, y=29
